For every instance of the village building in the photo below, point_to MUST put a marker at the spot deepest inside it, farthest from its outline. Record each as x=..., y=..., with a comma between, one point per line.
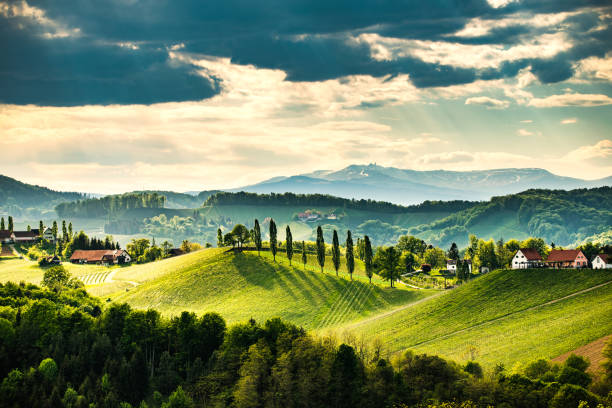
x=566, y=258
x=526, y=258
x=176, y=252
x=451, y=265
x=48, y=234
x=100, y=256
x=602, y=261
x=6, y=237
x=26, y=237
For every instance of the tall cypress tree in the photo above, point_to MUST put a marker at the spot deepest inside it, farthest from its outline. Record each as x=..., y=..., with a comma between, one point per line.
x=54, y=229
x=41, y=227
x=2, y=224
x=304, y=257
x=350, y=256
x=320, y=248
x=219, y=238
x=70, y=232
x=257, y=236
x=64, y=231
x=367, y=257
x=289, y=242
x=10, y=223
x=336, y=252
x=273, y=240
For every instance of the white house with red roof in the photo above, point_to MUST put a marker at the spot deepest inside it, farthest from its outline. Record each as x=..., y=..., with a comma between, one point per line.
x=566, y=258
x=526, y=258
x=602, y=261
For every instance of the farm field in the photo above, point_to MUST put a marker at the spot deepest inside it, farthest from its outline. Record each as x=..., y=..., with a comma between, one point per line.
x=592, y=351
x=246, y=286
x=503, y=317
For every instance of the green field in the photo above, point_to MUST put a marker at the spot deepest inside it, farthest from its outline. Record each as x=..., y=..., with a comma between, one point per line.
x=501, y=317
x=504, y=316
x=245, y=285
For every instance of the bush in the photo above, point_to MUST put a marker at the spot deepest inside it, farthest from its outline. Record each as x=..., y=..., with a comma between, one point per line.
x=570, y=375
x=578, y=362
x=570, y=396
x=473, y=368
x=48, y=369
x=537, y=369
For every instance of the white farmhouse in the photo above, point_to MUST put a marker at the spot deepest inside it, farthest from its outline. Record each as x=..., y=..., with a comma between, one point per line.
x=602, y=261
x=451, y=265
x=526, y=258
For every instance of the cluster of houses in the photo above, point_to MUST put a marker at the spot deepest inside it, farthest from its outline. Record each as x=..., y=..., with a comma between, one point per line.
x=25, y=237
x=530, y=258
x=312, y=216
x=558, y=258
x=101, y=256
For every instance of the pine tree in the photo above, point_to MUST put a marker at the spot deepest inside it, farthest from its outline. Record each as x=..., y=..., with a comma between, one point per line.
x=10, y=223
x=453, y=252
x=304, y=257
x=289, y=242
x=367, y=257
x=336, y=252
x=2, y=224
x=219, y=238
x=320, y=248
x=257, y=236
x=273, y=239
x=350, y=256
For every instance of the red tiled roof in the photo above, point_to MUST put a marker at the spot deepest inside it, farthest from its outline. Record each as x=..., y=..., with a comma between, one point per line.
x=604, y=257
x=563, y=255
x=531, y=254
x=96, y=255
x=26, y=234
x=5, y=234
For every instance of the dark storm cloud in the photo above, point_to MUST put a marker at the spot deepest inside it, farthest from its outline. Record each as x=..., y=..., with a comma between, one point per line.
x=91, y=69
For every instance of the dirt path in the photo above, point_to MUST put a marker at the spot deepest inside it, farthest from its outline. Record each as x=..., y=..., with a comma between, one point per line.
x=580, y=292
x=393, y=311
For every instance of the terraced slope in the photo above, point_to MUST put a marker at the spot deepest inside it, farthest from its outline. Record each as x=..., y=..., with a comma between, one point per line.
x=245, y=285
x=505, y=316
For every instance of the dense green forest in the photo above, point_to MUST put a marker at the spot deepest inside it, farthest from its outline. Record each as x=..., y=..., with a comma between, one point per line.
x=563, y=217
x=325, y=200
x=61, y=347
x=105, y=206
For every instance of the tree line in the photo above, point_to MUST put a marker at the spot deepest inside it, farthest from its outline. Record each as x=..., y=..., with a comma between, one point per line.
x=60, y=347
x=104, y=206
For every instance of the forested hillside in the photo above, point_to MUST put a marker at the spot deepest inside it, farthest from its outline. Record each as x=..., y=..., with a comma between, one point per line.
x=102, y=207
x=17, y=197
x=562, y=217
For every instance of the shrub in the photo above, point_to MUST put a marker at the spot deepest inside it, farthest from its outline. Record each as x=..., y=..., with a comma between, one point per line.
x=48, y=369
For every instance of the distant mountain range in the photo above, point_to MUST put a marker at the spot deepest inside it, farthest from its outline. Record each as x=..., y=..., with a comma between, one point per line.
x=412, y=186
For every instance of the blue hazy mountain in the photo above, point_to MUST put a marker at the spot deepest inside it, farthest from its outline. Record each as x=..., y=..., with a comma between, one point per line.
x=404, y=186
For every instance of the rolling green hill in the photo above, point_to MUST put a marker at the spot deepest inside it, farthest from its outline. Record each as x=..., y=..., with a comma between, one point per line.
x=22, y=200
x=563, y=217
x=246, y=286
x=504, y=316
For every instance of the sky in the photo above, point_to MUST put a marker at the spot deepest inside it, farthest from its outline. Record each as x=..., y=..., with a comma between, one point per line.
x=120, y=95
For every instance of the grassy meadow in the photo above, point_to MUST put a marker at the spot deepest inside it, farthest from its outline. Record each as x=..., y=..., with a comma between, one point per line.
x=503, y=317
x=244, y=286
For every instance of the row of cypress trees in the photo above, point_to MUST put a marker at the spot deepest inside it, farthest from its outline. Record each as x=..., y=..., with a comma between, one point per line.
x=320, y=245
